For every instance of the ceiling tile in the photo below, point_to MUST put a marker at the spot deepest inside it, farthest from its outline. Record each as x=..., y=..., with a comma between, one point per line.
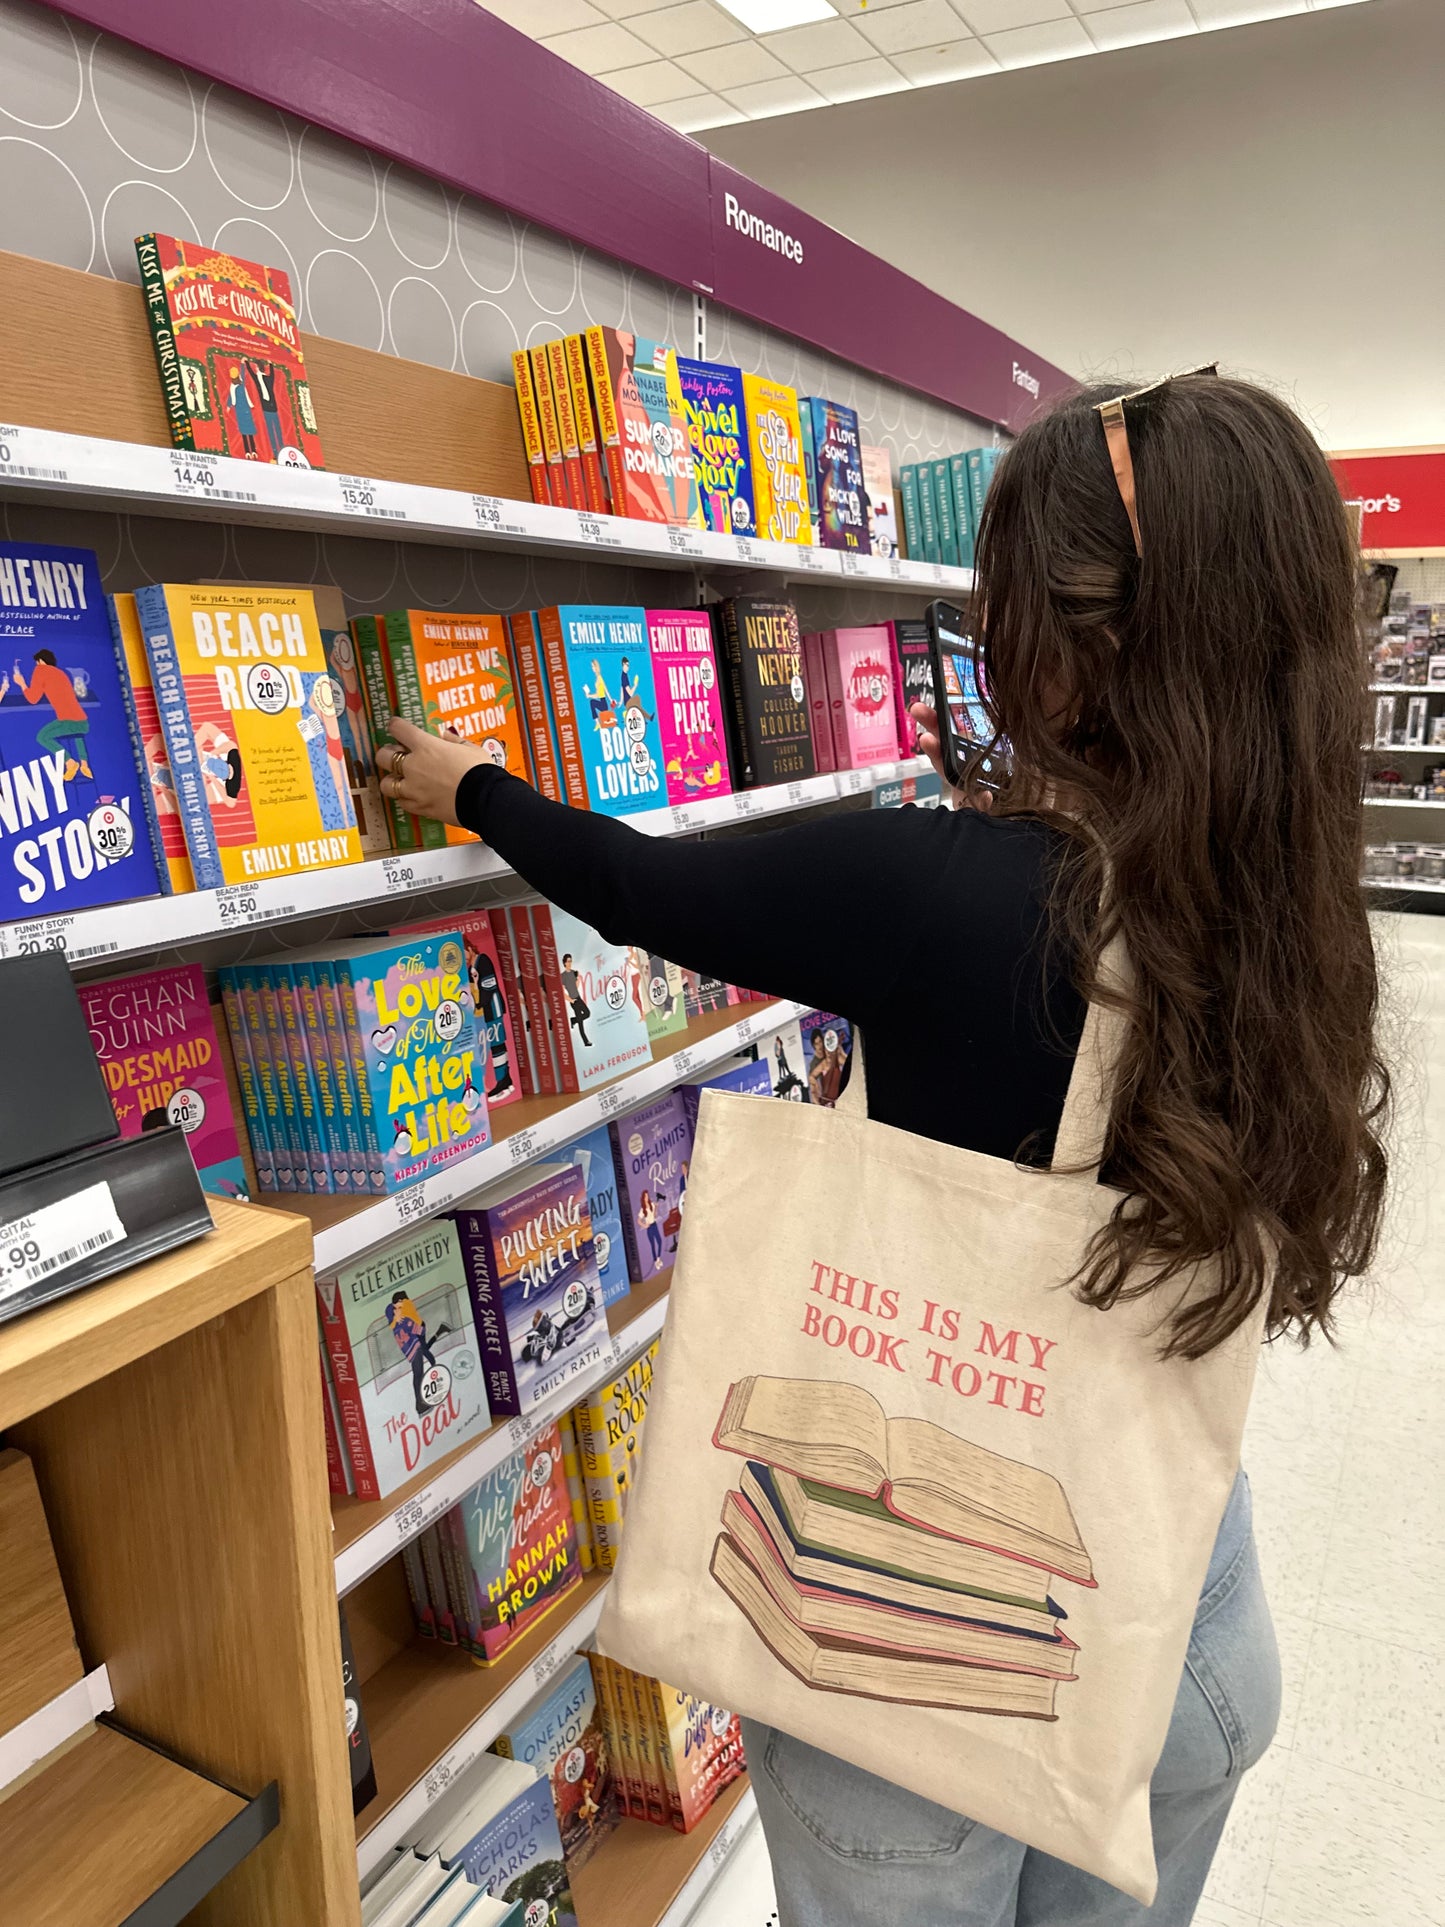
x=539, y=17
x=922, y=23
x=654, y=81
x=688, y=29
x=627, y=9
x=1238, y=13
x=1144, y=20
x=767, y=97
x=859, y=80
x=707, y=110
x=726, y=68
x=997, y=16
x=597, y=50
x=960, y=60
x=1029, y=46
x=830, y=43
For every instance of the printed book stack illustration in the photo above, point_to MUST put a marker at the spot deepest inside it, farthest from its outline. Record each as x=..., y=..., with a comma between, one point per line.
x=892, y=1559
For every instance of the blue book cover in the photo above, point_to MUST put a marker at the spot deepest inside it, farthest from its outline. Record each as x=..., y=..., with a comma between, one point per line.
x=840, y=500
x=607, y=660
x=751, y=1078
x=518, y=1857
x=599, y=1174
x=74, y=828
x=717, y=428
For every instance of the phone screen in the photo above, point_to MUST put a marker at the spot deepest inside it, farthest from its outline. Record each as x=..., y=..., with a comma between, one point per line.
x=963, y=718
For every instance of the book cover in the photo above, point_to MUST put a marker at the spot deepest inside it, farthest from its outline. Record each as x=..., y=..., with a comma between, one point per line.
x=659, y=992
x=531, y=427
x=248, y=706
x=356, y=744
x=838, y=487
x=157, y=788
x=339, y=1481
x=358, y=1739
x=877, y=464
x=618, y=1720
x=574, y=353
x=981, y=465
x=690, y=715
x=828, y=1042
x=820, y=708
x=644, y=427
x=566, y=422
x=75, y=821
x=941, y=477
x=557, y=477
x=646, y=1735
x=609, y=1438
x=596, y=1025
x=546, y=1066
x=787, y=1063
x=531, y=1270
x=247, y=979
x=489, y=1003
x=404, y=1357
x=243, y=1056
x=962, y=508
x=810, y=462
x=599, y=673
x=331, y=1037
x=516, y=1533
x=155, y=1039
x=229, y=355
x=536, y=704
x=576, y=1491
x=762, y=647
x=912, y=512
x=717, y=428
x=515, y=999
x=594, y=1157
x=703, y=994
x=702, y=1752
x=928, y=514
x=416, y=1029
x=912, y=678
x=298, y=1046
x=750, y=1078
x=859, y=664
x=368, y=633
x=518, y=1857
x=775, y=448
x=561, y=1735
x=653, y=1148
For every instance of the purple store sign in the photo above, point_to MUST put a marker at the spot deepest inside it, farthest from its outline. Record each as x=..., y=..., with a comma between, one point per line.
x=447, y=88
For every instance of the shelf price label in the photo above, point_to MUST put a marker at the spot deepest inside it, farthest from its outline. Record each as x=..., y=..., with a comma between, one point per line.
x=46, y=1242
x=852, y=564
x=856, y=781
x=29, y=939
x=684, y=818
x=414, y=1515
x=681, y=543
x=683, y=1061
x=746, y=551
x=545, y=1665
x=938, y=575
x=895, y=568
x=809, y=558
x=522, y=1146
x=609, y=1100
x=519, y=1430
x=797, y=795
x=745, y=1028
x=18, y=461
x=239, y=906
x=413, y=1204
x=439, y=1778
x=359, y=495
x=491, y=514
x=591, y=530
x=745, y=803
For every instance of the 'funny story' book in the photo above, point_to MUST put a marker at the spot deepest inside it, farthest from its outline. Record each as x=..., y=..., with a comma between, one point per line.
x=690, y=713
x=717, y=428
x=604, y=706
x=75, y=826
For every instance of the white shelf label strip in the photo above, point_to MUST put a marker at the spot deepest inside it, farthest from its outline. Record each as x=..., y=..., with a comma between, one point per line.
x=56, y=1722
x=698, y=1883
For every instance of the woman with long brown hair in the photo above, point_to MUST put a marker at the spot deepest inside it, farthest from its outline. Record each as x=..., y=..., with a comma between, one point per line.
x=1166, y=615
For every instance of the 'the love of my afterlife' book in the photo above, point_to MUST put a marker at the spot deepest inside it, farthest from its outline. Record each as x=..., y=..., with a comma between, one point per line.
x=75, y=828
x=404, y=1357
x=517, y=1545
x=690, y=712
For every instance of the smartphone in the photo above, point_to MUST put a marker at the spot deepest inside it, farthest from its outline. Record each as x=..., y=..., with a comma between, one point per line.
x=963, y=724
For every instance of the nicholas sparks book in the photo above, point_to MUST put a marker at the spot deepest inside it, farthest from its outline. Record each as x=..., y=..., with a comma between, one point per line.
x=598, y=1028
x=690, y=714
x=249, y=709
x=775, y=445
x=531, y=1269
x=75, y=827
x=717, y=427
x=229, y=353
x=561, y=1735
x=761, y=644
x=643, y=426
x=604, y=706
x=653, y=1148
x=519, y=1554
x=157, y=789
x=155, y=1039
x=517, y=1857
x=838, y=486
x=404, y=1357
x=859, y=668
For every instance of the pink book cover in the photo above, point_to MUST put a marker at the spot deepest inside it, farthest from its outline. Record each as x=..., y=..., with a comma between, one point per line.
x=860, y=679
x=689, y=704
x=820, y=711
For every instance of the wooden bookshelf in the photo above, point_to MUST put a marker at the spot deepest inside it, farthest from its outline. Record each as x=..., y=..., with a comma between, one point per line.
x=638, y=1872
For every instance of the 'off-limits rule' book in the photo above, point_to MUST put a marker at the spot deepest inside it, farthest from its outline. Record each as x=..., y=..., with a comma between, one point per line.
x=604, y=706
x=717, y=427
x=75, y=820
x=690, y=704
x=761, y=647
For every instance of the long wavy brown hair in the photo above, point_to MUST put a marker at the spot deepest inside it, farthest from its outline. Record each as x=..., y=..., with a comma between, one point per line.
x=1194, y=720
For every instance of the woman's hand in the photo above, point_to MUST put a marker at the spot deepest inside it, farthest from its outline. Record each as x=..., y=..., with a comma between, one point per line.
x=926, y=718
x=421, y=772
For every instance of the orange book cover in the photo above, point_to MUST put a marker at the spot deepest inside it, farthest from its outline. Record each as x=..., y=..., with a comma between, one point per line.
x=564, y=717
x=531, y=427
x=566, y=421
x=576, y=354
x=551, y=433
x=609, y=427
x=532, y=682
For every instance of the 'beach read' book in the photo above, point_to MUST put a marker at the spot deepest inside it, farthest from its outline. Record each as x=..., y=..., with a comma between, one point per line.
x=75, y=821
x=859, y=667
x=882, y=509
x=604, y=706
x=155, y=1040
x=837, y=478
x=653, y=1148
x=717, y=427
x=561, y=1735
x=516, y=1544
x=690, y=714
x=249, y=710
x=404, y=1357
x=228, y=351
x=643, y=427
x=762, y=648
x=775, y=445
x=598, y=1028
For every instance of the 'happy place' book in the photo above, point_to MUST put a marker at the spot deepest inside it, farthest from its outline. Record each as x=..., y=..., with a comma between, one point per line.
x=517, y=1545
x=604, y=706
x=690, y=714
x=717, y=427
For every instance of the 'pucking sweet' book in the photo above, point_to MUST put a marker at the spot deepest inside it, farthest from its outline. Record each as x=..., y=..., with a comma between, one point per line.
x=717, y=427
x=690, y=714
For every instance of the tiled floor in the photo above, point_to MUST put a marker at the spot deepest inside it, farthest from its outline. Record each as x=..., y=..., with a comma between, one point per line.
x=1343, y=1822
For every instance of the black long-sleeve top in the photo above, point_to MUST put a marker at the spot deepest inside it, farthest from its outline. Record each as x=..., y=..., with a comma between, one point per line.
x=925, y=928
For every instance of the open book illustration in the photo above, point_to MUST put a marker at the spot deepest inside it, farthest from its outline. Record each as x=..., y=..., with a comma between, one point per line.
x=889, y=1557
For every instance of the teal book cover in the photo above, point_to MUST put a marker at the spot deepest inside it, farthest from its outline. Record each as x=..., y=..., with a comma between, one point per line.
x=962, y=508
x=943, y=512
x=616, y=745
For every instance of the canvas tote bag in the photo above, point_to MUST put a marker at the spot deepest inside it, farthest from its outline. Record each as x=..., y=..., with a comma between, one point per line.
x=908, y=1499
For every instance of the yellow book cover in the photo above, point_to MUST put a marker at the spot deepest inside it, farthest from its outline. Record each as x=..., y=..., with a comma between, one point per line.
x=576, y=1491
x=609, y=1435
x=775, y=443
x=249, y=711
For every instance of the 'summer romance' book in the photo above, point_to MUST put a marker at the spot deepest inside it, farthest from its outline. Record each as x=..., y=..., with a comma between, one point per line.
x=653, y=1148
x=762, y=648
x=882, y=510
x=157, y=787
x=597, y=1027
x=404, y=1357
x=75, y=812
x=604, y=706
x=489, y=1002
x=516, y=1543
x=561, y=1735
x=717, y=427
x=643, y=427
x=609, y=1439
x=531, y=1271
x=228, y=351
x=859, y=668
x=690, y=714
x=155, y=1040
x=593, y=1156
x=248, y=706
x=838, y=485
x=531, y=427
x=775, y=445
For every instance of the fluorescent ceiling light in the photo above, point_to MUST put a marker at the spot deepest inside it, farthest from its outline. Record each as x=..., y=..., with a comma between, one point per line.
x=768, y=16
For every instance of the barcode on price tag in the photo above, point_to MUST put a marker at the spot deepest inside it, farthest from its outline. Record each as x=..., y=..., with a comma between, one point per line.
x=14, y=465
x=46, y=1242
x=412, y=1514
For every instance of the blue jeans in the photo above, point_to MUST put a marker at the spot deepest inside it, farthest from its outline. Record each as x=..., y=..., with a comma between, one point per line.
x=851, y=1850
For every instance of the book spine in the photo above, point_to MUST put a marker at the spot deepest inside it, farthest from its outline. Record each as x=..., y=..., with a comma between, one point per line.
x=653, y=1790
x=532, y=682
x=908, y=497
x=436, y=1585
x=608, y=427
x=316, y=1043
x=526, y=950
x=484, y=1288
x=636, y=1270
x=928, y=514
x=170, y=693
x=337, y=1480
x=244, y=1059
x=456, y=1576
x=348, y=1398
x=820, y=717
x=962, y=508
x=404, y=679
x=253, y=1012
x=516, y=1002
x=559, y=688
x=810, y=460
x=549, y=969
x=943, y=512
x=904, y=727
x=666, y=1764
x=284, y=1074
x=576, y=1490
x=551, y=439
x=619, y=1701
x=566, y=422
x=415, y=1570
x=604, y=1516
x=575, y=351
x=303, y=1078
x=334, y=1041
x=531, y=427
x=837, y=704
x=137, y=751
x=375, y=1153
x=163, y=340
x=976, y=488
x=732, y=652
x=367, y=633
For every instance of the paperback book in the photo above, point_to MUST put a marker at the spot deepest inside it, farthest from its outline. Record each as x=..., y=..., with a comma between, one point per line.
x=518, y=1857
x=690, y=714
x=643, y=427
x=762, y=648
x=604, y=706
x=775, y=447
x=962, y=508
x=787, y=1061
x=653, y=1148
x=516, y=1544
x=837, y=475
x=356, y=745
x=558, y=480
x=594, y=1157
x=912, y=678
x=938, y=474
x=913, y=541
x=859, y=668
x=598, y=1028
x=700, y=1751
x=561, y=1735
x=877, y=466
x=609, y=1438
x=828, y=1044
x=717, y=427
x=536, y=704
x=157, y=787
x=659, y=992
x=574, y=353
x=531, y=427
x=489, y=1002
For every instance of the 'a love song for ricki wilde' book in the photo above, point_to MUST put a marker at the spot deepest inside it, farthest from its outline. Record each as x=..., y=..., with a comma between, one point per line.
x=761, y=646
x=517, y=1543
x=75, y=825
x=249, y=710
x=561, y=1735
x=604, y=706
x=717, y=427
x=404, y=1358
x=837, y=478
x=155, y=1040
x=643, y=427
x=690, y=714
x=229, y=354
x=775, y=445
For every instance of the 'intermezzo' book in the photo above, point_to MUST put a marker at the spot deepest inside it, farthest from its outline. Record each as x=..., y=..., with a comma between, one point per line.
x=859, y=668
x=775, y=443
x=249, y=711
x=690, y=711
x=517, y=1544
x=762, y=648
x=643, y=427
x=404, y=1357
x=156, y=1043
x=604, y=705
x=229, y=353
x=838, y=486
x=653, y=1149
x=75, y=827
x=717, y=426
x=561, y=1735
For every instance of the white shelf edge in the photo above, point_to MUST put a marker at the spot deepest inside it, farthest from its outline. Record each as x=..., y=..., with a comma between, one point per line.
x=117, y=930
x=1422, y=884
x=401, y=1819
x=1404, y=802
x=710, y=1868
x=51, y=1725
x=1407, y=688
x=59, y=467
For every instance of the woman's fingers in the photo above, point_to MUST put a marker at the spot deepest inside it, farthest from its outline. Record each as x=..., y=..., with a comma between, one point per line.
x=421, y=772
